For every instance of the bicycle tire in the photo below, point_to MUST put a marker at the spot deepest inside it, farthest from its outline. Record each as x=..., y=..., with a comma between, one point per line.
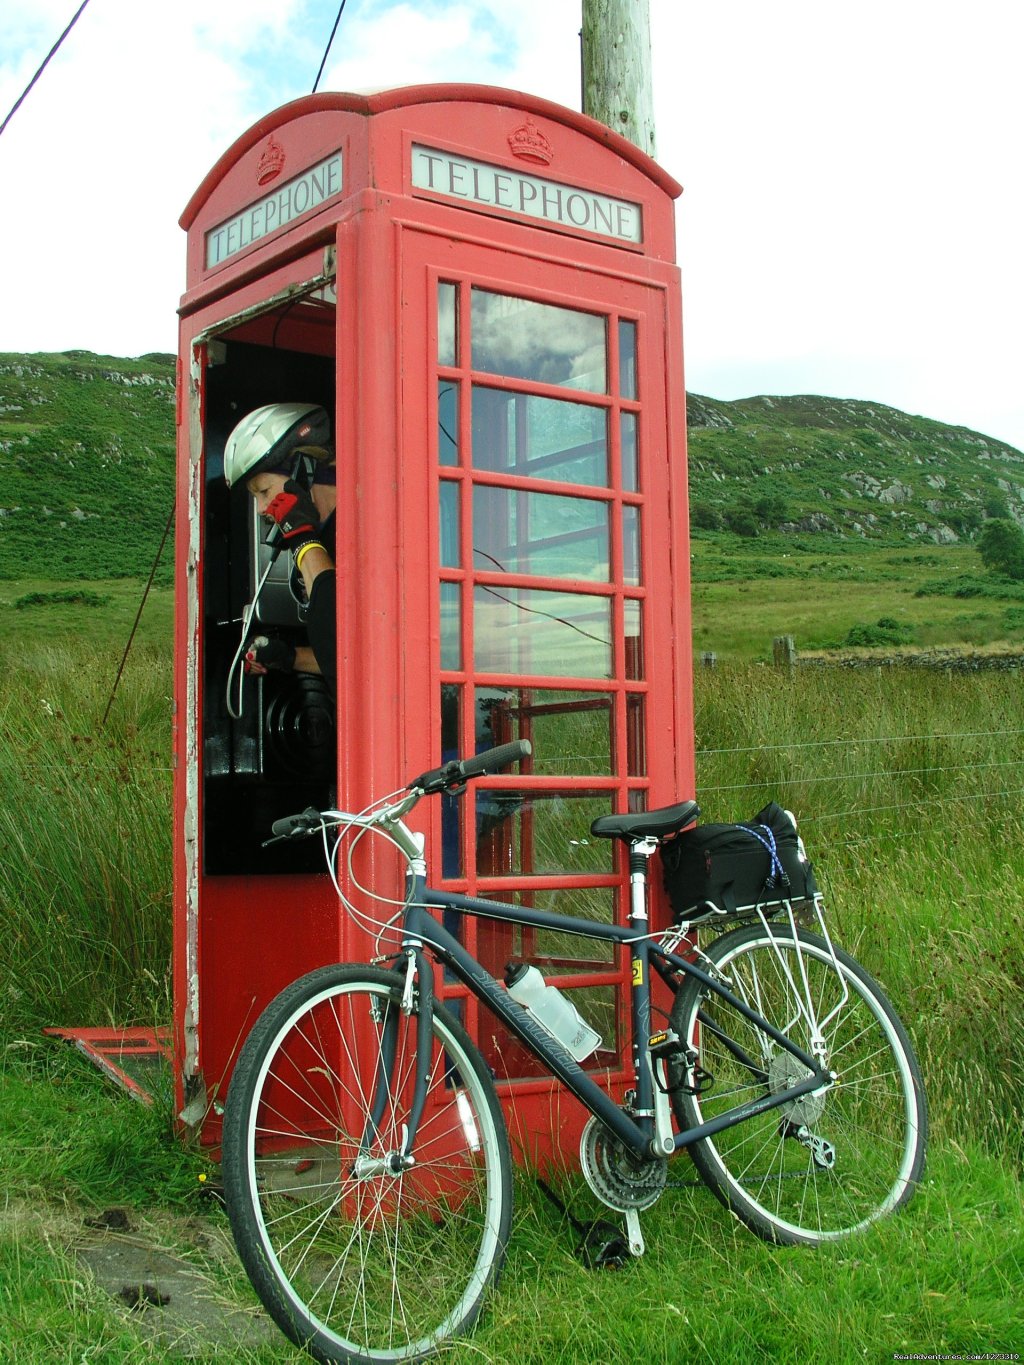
x=773, y=1170
x=364, y=1264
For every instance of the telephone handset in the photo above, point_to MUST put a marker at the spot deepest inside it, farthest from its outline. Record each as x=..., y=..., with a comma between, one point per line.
x=273, y=601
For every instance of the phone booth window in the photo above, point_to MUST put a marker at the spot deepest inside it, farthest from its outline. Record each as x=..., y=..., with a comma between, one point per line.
x=540, y=583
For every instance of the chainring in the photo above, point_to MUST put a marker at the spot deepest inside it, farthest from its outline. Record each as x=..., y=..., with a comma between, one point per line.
x=619, y=1180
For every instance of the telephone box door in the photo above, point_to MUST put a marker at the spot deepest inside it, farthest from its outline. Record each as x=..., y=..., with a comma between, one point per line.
x=546, y=511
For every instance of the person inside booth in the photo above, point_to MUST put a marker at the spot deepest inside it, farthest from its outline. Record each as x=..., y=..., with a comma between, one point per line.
x=282, y=453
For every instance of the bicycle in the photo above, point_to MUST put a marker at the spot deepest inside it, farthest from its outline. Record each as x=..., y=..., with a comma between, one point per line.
x=366, y=1164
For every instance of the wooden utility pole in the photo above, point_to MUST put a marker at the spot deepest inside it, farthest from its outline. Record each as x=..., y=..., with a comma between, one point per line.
x=616, y=60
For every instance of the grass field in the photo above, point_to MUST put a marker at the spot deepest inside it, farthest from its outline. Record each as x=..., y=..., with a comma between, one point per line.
x=742, y=601
x=910, y=792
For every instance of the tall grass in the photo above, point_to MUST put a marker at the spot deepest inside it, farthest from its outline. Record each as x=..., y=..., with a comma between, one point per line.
x=909, y=787
x=909, y=790
x=85, y=834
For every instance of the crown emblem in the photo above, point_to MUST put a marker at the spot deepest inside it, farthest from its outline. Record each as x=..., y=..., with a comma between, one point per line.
x=271, y=162
x=529, y=143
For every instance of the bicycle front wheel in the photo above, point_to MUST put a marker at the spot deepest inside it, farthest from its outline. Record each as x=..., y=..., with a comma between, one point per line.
x=358, y=1254
x=831, y=1162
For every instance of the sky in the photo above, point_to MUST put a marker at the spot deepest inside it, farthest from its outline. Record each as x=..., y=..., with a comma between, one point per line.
x=852, y=216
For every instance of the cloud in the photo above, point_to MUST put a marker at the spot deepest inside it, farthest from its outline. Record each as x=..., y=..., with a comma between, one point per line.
x=479, y=42
x=105, y=152
x=850, y=215
x=851, y=208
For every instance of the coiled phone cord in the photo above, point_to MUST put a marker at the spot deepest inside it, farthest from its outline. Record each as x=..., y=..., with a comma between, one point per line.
x=248, y=616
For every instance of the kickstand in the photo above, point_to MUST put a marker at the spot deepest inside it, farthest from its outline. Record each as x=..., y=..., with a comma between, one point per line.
x=601, y=1245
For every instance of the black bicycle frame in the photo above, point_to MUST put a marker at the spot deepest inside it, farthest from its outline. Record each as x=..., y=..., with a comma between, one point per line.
x=636, y=1133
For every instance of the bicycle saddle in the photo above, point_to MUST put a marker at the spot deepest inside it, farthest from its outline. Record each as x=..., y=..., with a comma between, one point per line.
x=657, y=823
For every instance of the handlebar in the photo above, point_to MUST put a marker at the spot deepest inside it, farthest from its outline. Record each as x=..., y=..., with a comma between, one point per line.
x=449, y=775
x=460, y=770
x=297, y=826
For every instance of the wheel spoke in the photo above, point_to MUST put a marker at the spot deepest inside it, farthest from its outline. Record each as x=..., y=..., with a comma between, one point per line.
x=873, y=1117
x=371, y=1258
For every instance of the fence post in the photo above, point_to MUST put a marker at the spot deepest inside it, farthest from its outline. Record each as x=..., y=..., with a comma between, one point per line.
x=784, y=651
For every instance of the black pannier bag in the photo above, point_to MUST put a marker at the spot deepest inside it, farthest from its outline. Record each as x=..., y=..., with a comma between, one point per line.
x=730, y=868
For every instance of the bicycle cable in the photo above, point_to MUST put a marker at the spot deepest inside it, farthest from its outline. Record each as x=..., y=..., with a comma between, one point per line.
x=381, y=928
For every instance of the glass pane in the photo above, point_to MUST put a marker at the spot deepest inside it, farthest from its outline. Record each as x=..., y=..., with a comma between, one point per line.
x=451, y=633
x=571, y=732
x=627, y=442
x=631, y=545
x=557, y=634
x=557, y=952
x=541, y=833
x=446, y=332
x=634, y=641
x=540, y=438
x=451, y=700
x=539, y=341
x=447, y=422
x=599, y=1007
x=449, y=493
x=627, y=358
x=539, y=533
x=636, y=739
x=451, y=806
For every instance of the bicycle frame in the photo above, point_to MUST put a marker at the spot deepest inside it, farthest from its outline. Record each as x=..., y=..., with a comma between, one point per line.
x=368, y=1164
x=636, y=1133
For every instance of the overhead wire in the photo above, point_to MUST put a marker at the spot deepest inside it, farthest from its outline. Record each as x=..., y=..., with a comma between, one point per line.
x=17, y=104
x=330, y=40
x=138, y=616
x=13, y=110
x=46, y=60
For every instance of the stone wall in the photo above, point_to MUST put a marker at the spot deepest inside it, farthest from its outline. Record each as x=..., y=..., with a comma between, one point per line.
x=951, y=660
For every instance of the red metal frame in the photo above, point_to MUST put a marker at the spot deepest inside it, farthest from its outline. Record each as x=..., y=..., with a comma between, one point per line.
x=388, y=244
x=110, y=1048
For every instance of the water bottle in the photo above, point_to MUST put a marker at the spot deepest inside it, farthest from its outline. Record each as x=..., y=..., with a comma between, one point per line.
x=551, y=1009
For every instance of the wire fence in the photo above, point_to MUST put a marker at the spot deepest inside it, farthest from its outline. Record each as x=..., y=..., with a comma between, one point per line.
x=969, y=771
x=120, y=765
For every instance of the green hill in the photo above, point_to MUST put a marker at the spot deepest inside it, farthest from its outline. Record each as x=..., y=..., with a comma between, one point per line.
x=87, y=453
x=837, y=467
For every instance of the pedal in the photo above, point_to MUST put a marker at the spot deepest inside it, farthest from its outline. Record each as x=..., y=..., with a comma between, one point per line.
x=603, y=1247
x=668, y=1048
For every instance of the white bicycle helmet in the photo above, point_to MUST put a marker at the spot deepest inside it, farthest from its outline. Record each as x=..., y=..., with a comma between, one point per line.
x=268, y=436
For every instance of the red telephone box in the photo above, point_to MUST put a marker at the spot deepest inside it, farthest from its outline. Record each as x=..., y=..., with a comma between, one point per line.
x=480, y=288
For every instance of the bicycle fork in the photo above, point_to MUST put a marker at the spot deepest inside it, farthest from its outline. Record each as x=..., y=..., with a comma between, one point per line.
x=417, y=1000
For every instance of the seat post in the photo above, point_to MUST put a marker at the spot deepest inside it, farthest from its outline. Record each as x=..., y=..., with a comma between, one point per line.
x=640, y=851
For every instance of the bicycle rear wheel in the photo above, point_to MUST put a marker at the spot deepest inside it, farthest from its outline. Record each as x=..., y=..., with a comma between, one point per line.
x=831, y=1162
x=355, y=1257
